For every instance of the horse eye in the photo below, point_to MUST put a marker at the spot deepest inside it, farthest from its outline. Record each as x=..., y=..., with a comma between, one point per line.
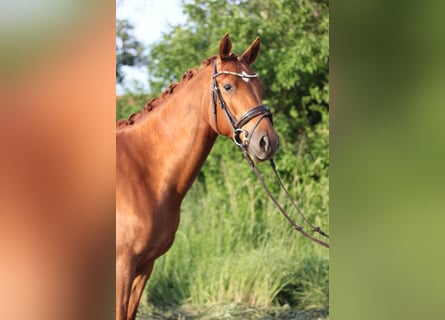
x=228, y=87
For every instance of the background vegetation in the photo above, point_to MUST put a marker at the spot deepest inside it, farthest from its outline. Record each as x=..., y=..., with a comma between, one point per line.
x=234, y=255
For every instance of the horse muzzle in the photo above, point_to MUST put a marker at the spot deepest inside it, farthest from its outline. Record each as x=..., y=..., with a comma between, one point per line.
x=263, y=145
x=255, y=133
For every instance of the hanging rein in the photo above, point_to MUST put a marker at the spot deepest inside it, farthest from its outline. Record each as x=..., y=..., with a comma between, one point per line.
x=260, y=111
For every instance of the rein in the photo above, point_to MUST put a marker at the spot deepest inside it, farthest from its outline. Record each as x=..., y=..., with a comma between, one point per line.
x=280, y=208
x=260, y=111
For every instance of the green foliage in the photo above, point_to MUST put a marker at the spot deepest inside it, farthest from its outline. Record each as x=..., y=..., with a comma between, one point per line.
x=130, y=102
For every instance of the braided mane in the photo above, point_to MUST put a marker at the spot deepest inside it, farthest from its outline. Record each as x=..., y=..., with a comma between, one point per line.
x=156, y=102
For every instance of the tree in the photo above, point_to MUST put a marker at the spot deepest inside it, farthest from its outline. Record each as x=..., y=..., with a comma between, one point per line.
x=129, y=51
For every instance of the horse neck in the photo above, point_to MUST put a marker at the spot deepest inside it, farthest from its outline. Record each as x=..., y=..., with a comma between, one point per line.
x=176, y=138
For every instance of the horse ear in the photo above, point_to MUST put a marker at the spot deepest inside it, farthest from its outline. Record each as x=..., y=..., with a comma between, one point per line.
x=251, y=53
x=225, y=47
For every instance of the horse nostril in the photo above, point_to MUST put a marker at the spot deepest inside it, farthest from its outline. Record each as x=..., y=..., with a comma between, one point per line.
x=264, y=143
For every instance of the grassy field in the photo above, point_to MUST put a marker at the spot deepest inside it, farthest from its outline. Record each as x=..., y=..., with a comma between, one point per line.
x=234, y=311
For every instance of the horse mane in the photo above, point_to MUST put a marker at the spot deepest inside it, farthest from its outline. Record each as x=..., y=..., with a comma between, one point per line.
x=156, y=102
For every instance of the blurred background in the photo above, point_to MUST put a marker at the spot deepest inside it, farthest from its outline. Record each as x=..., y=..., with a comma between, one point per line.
x=234, y=254
x=57, y=159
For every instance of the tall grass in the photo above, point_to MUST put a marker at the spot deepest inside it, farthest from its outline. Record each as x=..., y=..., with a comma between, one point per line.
x=233, y=246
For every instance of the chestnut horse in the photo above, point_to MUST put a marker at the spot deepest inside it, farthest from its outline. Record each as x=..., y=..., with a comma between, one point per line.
x=161, y=150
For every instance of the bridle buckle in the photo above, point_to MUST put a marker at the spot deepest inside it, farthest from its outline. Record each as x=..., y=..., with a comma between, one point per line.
x=237, y=139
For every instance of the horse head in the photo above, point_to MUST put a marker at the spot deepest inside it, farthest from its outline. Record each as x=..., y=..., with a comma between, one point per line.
x=237, y=110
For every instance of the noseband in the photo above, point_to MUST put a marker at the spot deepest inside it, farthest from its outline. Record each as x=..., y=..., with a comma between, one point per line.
x=260, y=111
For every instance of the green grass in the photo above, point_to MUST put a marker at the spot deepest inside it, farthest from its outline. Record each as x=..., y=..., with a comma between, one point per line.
x=234, y=311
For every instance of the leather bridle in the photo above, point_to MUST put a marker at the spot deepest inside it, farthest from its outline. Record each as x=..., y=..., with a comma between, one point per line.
x=260, y=111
